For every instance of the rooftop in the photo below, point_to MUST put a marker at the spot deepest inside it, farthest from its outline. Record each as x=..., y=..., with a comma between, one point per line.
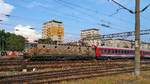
x=55, y=21
x=90, y=29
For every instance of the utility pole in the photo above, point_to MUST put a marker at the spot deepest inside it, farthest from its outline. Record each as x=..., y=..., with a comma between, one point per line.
x=137, y=32
x=137, y=38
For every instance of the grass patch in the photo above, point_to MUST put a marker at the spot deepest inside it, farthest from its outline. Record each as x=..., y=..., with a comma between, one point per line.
x=114, y=79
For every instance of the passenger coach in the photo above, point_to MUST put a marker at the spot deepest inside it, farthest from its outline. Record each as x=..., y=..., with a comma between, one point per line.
x=109, y=52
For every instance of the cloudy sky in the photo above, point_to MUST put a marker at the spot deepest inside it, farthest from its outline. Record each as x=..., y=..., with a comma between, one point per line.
x=75, y=14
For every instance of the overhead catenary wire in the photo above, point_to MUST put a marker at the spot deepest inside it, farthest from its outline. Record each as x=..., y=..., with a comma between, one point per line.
x=73, y=16
x=87, y=9
x=47, y=8
x=66, y=3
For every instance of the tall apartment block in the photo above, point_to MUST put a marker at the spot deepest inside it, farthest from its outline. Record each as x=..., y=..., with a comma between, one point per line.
x=54, y=30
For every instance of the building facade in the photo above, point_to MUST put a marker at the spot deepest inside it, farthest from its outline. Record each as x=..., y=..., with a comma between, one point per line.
x=90, y=36
x=118, y=43
x=53, y=30
x=121, y=43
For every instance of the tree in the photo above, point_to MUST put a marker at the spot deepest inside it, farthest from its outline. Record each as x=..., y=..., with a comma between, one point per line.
x=2, y=40
x=12, y=42
x=15, y=42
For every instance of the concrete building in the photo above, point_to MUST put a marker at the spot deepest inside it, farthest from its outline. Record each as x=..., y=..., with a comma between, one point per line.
x=118, y=43
x=121, y=43
x=145, y=45
x=54, y=30
x=90, y=36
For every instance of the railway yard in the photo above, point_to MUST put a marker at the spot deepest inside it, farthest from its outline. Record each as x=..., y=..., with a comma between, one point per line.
x=74, y=42
x=58, y=71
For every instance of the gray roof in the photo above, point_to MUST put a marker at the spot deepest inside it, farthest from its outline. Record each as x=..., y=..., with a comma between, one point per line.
x=53, y=21
x=90, y=29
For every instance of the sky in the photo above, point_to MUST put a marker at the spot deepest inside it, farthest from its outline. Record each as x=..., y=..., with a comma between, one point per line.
x=76, y=15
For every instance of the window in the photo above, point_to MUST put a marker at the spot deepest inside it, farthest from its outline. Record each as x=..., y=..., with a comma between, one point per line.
x=110, y=51
x=113, y=51
x=116, y=51
x=106, y=51
x=127, y=51
x=122, y=51
x=55, y=46
x=43, y=46
x=68, y=48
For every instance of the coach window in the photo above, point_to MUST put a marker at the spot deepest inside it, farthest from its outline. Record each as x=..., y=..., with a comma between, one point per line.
x=147, y=53
x=108, y=51
x=103, y=51
x=127, y=51
x=116, y=51
x=113, y=51
x=122, y=51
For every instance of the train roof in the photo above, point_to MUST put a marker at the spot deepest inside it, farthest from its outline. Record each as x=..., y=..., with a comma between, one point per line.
x=117, y=48
x=123, y=48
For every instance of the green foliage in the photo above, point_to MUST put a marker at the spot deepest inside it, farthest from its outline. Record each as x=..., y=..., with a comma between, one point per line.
x=2, y=40
x=9, y=41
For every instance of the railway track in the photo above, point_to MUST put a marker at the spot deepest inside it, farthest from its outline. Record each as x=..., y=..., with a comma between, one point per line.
x=16, y=62
x=54, y=64
x=56, y=71
x=68, y=73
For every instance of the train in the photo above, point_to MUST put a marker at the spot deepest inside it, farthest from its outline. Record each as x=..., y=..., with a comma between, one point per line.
x=78, y=52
